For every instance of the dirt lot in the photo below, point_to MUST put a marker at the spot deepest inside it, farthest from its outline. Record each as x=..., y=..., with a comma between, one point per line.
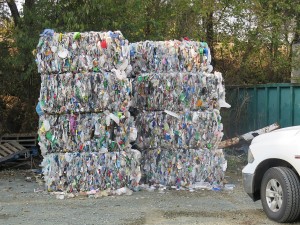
x=19, y=204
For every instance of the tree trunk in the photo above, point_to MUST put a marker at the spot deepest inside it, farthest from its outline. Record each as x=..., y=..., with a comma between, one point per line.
x=14, y=11
x=210, y=35
x=29, y=3
x=297, y=33
x=248, y=136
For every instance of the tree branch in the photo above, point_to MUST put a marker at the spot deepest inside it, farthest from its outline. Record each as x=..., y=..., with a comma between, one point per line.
x=14, y=11
x=29, y=3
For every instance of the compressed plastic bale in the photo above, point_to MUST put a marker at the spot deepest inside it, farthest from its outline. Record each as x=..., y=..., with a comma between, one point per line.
x=169, y=56
x=84, y=92
x=90, y=132
x=79, y=172
x=88, y=51
x=176, y=130
x=177, y=91
x=183, y=167
x=92, y=140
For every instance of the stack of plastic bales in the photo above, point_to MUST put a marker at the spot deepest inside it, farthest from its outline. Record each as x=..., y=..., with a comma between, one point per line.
x=179, y=123
x=85, y=128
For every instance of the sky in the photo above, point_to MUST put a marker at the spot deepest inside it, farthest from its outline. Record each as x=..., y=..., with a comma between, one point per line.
x=19, y=5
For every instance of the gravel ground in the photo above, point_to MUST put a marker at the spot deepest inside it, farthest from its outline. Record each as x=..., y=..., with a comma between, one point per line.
x=19, y=204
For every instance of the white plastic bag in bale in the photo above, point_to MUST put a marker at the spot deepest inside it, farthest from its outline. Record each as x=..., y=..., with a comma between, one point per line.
x=88, y=51
x=185, y=129
x=90, y=132
x=76, y=172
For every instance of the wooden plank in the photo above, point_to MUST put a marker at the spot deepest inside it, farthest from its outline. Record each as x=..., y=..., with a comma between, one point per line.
x=17, y=145
x=6, y=149
x=32, y=140
x=26, y=145
x=229, y=142
x=3, y=153
x=19, y=135
x=2, y=159
x=25, y=139
x=11, y=147
x=248, y=136
x=6, y=158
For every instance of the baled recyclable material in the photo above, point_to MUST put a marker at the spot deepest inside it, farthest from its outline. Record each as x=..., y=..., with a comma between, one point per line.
x=85, y=128
x=169, y=56
x=89, y=83
x=179, y=130
x=178, y=99
x=183, y=168
x=88, y=51
x=90, y=132
x=84, y=92
x=177, y=91
x=92, y=172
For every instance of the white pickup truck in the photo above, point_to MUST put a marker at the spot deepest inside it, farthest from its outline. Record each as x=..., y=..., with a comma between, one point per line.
x=272, y=173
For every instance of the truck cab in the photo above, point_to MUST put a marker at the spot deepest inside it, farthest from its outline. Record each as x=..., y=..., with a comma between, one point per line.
x=272, y=173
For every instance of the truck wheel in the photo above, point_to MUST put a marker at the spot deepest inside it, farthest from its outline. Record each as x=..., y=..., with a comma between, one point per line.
x=280, y=194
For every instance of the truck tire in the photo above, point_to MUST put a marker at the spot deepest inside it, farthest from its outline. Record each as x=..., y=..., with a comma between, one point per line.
x=280, y=194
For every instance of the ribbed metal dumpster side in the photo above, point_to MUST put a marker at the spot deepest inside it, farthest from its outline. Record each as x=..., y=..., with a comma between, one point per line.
x=254, y=107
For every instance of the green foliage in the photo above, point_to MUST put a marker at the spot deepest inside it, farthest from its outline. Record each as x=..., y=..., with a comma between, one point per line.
x=251, y=40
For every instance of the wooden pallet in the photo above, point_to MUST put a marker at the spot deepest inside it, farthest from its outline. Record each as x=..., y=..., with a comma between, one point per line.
x=10, y=149
x=27, y=140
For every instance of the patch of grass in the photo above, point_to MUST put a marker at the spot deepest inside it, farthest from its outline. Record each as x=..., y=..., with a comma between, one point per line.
x=236, y=159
